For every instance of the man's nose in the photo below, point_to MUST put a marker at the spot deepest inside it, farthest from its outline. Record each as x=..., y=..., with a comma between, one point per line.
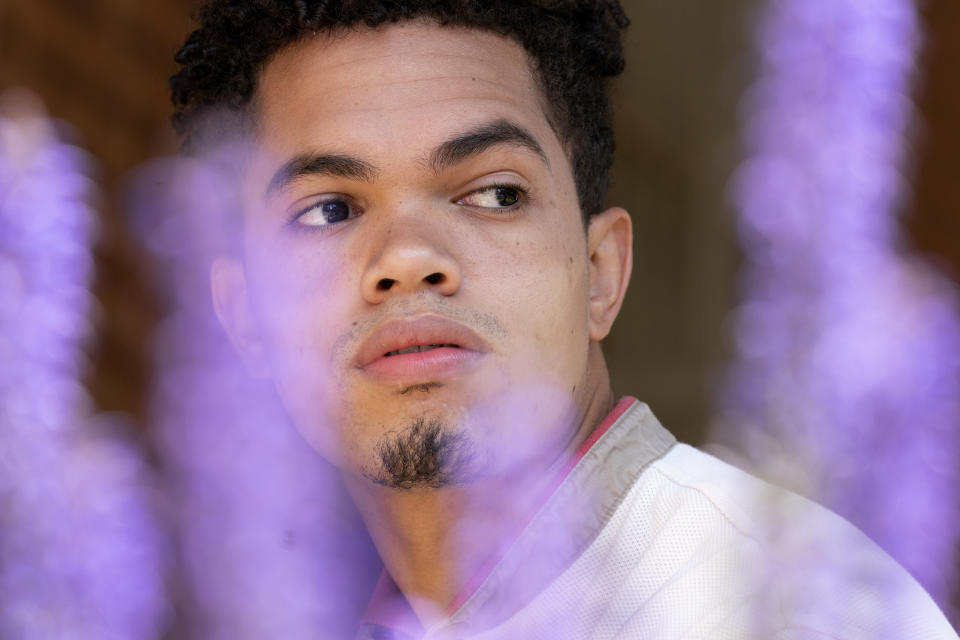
x=411, y=258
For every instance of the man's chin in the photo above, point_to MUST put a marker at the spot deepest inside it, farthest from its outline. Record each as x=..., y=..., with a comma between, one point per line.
x=433, y=435
x=426, y=453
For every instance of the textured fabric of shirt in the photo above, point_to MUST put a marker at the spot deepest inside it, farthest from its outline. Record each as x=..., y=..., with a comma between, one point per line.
x=647, y=538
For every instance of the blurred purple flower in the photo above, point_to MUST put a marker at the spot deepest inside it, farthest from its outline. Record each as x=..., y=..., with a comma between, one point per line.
x=80, y=553
x=847, y=383
x=271, y=545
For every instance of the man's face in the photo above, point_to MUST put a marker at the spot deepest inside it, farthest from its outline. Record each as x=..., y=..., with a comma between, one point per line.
x=411, y=193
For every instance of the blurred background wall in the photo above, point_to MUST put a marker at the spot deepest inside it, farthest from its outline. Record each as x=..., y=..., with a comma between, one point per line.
x=101, y=66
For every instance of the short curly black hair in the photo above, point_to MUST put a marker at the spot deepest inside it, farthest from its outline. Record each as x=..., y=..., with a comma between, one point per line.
x=575, y=47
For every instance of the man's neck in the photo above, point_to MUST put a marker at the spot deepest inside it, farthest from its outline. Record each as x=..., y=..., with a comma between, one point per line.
x=433, y=541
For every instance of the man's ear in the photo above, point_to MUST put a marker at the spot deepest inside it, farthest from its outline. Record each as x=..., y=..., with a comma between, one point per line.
x=231, y=301
x=610, y=246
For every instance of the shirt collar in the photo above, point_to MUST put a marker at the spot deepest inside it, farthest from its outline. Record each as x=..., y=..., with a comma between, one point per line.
x=578, y=503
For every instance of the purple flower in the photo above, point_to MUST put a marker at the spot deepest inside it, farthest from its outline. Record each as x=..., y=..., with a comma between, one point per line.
x=80, y=553
x=848, y=373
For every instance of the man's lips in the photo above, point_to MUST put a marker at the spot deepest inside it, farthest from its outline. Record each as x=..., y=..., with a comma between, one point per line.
x=418, y=349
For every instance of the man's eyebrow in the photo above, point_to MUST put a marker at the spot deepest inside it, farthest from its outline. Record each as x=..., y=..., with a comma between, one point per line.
x=478, y=140
x=336, y=165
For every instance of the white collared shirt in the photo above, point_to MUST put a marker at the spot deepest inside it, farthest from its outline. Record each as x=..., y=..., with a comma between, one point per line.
x=649, y=539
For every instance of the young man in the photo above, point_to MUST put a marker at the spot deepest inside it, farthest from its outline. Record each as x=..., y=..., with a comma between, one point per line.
x=426, y=273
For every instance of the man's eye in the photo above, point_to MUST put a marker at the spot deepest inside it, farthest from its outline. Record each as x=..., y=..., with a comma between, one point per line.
x=325, y=213
x=497, y=197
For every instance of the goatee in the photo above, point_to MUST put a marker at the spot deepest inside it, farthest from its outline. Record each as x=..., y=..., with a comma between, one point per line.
x=424, y=456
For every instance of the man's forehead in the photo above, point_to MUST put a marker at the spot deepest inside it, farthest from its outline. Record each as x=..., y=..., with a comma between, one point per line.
x=375, y=74
x=368, y=47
